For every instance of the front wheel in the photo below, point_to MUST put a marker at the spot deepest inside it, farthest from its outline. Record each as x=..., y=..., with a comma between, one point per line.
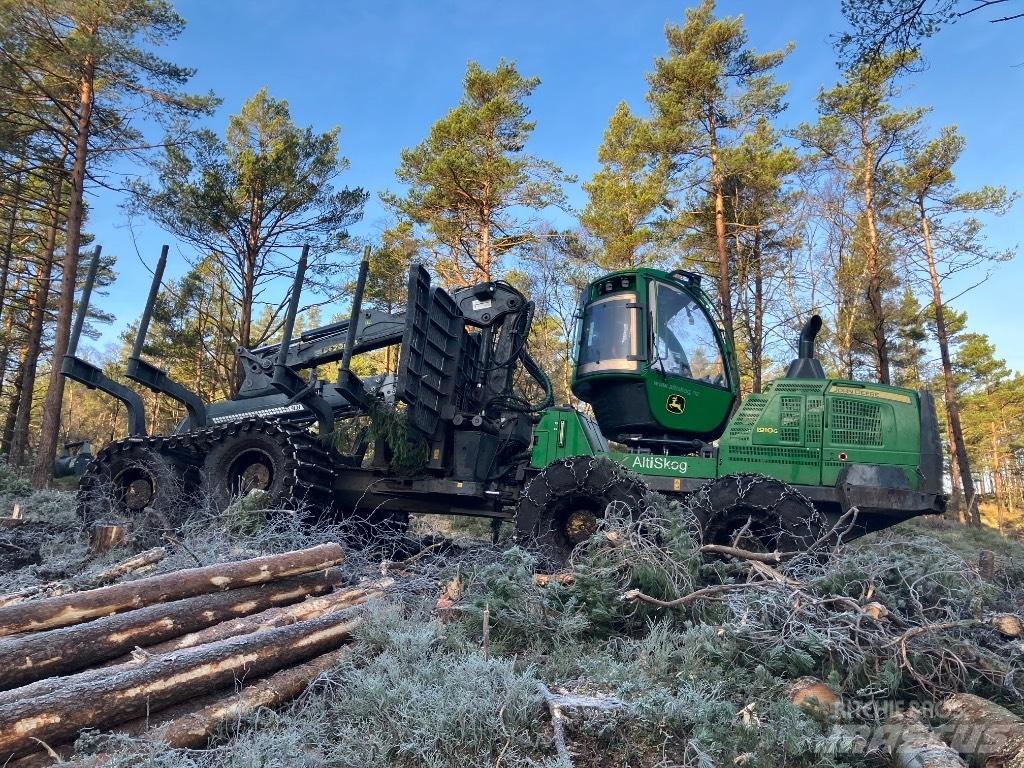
x=563, y=505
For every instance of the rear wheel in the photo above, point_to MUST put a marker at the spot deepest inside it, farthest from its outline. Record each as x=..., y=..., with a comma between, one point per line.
x=563, y=505
x=757, y=513
x=131, y=479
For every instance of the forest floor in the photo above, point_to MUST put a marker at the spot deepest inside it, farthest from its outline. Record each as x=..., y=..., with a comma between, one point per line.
x=895, y=620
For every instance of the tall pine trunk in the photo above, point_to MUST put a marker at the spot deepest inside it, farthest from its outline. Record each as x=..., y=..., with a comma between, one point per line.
x=956, y=431
x=17, y=397
x=5, y=268
x=757, y=337
x=33, y=344
x=874, y=270
x=724, y=272
x=7, y=334
x=49, y=430
x=997, y=479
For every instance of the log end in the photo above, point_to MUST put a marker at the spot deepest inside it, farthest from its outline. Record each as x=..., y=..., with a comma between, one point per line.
x=814, y=696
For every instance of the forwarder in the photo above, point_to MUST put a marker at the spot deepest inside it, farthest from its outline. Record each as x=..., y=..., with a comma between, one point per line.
x=779, y=471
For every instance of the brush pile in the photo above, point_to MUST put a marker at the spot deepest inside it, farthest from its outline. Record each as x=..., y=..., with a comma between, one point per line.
x=170, y=657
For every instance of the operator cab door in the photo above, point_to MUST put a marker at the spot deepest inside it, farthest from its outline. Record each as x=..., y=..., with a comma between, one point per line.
x=691, y=379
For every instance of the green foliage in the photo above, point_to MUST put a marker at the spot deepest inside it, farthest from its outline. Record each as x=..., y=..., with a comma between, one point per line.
x=524, y=617
x=386, y=281
x=407, y=449
x=706, y=94
x=246, y=514
x=470, y=179
x=270, y=180
x=879, y=27
x=627, y=194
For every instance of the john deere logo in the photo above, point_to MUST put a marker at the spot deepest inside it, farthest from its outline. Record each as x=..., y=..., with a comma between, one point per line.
x=675, y=404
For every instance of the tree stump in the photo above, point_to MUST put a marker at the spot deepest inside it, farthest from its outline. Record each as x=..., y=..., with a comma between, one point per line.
x=104, y=538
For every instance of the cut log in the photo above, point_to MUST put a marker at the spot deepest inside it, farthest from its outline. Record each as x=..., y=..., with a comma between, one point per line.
x=876, y=611
x=104, y=538
x=563, y=578
x=257, y=623
x=193, y=729
x=814, y=696
x=989, y=734
x=1007, y=624
x=272, y=618
x=53, y=588
x=141, y=561
x=451, y=593
x=34, y=656
x=99, y=699
x=75, y=608
x=193, y=723
x=917, y=746
x=45, y=758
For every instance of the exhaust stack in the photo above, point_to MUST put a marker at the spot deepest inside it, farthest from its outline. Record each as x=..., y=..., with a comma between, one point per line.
x=806, y=365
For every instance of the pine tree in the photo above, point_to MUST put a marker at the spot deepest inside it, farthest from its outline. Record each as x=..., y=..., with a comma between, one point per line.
x=992, y=418
x=708, y=90
x=949, y=241
x=470, y=180
x=628, y=194
x=387, y=282
x=859, y=134
x=91, y=65
x=251, y=199
x=759, y=208
x=387, y=279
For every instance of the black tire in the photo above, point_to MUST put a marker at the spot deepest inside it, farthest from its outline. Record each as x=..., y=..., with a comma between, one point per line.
x=563, y=504
x=130, y=480
x=764, y=513
x=285, y=463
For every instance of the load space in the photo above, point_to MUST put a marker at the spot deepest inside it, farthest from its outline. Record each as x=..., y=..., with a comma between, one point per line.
x=467, y=425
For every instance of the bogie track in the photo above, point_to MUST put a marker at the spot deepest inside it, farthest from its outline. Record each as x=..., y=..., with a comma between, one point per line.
x=218, y=464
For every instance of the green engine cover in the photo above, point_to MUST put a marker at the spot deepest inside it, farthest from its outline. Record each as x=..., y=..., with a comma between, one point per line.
x=804, y=431
x=800, y=431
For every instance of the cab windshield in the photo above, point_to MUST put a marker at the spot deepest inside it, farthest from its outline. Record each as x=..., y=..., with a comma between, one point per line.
x=608, y=340
x=685, y=343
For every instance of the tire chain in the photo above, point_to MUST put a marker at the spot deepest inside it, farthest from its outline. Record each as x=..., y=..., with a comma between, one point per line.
x=700, y=504
x=699, y=501
x=619, y=475
x=311, y=466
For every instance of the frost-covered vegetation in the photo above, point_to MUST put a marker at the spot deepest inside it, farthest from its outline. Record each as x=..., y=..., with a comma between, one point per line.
x=705, y=683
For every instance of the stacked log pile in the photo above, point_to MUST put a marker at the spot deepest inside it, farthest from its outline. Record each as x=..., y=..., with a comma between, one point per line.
x=169, y=657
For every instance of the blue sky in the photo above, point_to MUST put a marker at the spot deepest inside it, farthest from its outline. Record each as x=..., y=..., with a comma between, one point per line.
x=384, y=71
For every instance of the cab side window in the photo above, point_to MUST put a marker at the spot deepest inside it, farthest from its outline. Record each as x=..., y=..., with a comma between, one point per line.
x=684, y=341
